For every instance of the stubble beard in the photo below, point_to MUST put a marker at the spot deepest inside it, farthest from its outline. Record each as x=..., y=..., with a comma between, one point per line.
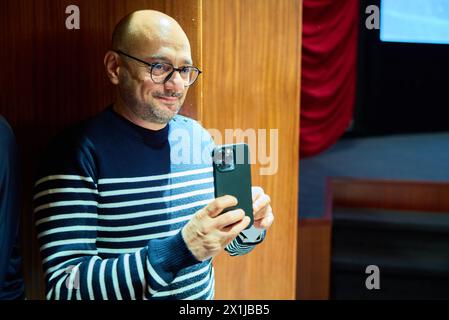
x=146, y=111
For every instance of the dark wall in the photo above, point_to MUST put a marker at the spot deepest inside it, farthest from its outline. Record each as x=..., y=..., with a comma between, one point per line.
x=402, y=87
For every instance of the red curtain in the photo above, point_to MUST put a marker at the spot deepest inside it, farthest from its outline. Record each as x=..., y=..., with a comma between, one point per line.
x=328, y=79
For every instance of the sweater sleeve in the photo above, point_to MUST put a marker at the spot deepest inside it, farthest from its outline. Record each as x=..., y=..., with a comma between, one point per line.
x=9, y=202
x=65, y=207
x=246, y=241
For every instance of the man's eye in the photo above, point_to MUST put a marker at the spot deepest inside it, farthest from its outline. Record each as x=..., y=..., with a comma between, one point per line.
x=162, y=68
x=158, y=67
x=185, y=70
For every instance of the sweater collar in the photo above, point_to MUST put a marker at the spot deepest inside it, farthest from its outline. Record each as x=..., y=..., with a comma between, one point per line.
x=149, y=137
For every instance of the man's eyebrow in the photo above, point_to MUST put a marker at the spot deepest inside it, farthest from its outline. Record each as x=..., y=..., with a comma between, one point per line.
x=163, y=58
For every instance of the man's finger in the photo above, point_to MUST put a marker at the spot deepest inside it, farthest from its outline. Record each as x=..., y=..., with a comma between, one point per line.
x=256, y=192
x=229, y=218
x=239, y=227
x=265, y=222
x=214, y=208
x=261, y=202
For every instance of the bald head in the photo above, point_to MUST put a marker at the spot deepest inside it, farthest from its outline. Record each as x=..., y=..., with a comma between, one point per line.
x=148, y=38
x=139, y=28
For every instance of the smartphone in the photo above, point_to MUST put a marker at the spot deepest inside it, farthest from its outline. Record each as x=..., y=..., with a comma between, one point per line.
x=232, y=176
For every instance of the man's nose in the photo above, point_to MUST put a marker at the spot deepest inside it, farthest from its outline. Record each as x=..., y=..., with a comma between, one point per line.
x=175, y=81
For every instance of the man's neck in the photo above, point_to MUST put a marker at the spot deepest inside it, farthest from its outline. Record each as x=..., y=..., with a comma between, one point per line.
x=125, y=112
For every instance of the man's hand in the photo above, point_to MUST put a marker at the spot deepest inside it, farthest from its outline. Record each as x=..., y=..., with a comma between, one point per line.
x=208, y=232
x=263, y=214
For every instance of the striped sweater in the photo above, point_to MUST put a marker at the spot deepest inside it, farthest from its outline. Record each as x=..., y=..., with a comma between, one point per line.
x=110, y=201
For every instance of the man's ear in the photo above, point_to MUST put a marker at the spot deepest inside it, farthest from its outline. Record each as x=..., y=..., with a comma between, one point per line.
x=111, y=66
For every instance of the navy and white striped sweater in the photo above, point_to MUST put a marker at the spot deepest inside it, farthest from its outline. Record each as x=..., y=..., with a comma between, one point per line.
x=109, y=205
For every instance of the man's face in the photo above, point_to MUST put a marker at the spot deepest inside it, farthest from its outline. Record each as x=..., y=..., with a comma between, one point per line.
x=152, y=102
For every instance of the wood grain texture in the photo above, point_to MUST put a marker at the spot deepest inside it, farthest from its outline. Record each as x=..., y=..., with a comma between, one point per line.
x=314, y=259
x=251, y=60
x=188, y=14
x=53, y=77
x=399, y=195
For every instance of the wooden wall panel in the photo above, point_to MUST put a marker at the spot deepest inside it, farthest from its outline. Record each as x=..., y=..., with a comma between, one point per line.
x=188, y=14
x=251, y=62
x=53, y=77
x=389, y=194
x=314, y=259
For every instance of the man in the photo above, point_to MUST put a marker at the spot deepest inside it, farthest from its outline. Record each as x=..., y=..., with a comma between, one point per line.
x=117, y=217
x=11, y=281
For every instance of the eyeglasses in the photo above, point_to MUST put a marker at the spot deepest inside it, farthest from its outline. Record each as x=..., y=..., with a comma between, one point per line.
x=161, y=72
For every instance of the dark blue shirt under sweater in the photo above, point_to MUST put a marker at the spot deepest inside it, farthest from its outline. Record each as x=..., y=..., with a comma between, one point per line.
x=11, y=280
x=110, y=202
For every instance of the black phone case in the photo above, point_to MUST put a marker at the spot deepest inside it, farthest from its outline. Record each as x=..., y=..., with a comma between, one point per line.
x=237, y=182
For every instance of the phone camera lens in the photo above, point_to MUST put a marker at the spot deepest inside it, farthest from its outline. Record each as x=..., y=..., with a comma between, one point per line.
x=224, y=159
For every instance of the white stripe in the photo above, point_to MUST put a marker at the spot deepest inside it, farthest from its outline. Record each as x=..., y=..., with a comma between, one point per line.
x=66, y=216
x=58, y=287
x=146, y=225
x=68, y=253
x=67, y=242
x=66, y=263
x=155, y=200
x=154, y=189
x=57, y=273
x=115, y=280
x=119, y=251
x=148, y=213
x=231, y=246
x=90, y=269
x=140, y=272
x=67, y=229
x=156, y=177
x=128, y=279
x=150, y=290
x=239, y=249
x=50, y=293
x=138, y=238
x=71, y=279
x=101, y=275
x=210, y=296
x=183, y=289
x=244, y=247
x=63, y=177
x=192, y=274
x=199, y=294
x=78, y=294
x=154, y=275
x=65, y=190
x=65, y=203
